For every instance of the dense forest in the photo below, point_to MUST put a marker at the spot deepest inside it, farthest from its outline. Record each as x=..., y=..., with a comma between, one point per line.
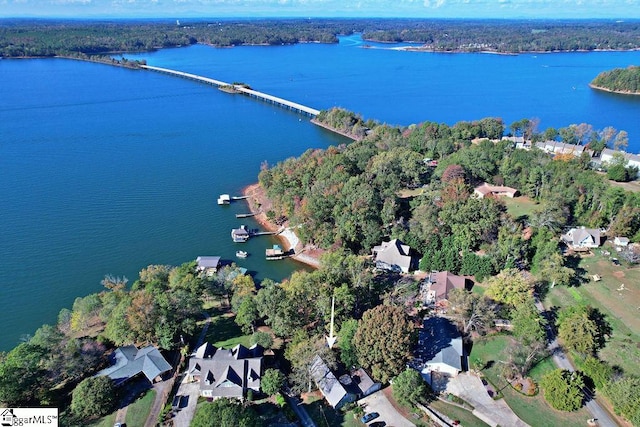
x=42, y=38
x=622, y=80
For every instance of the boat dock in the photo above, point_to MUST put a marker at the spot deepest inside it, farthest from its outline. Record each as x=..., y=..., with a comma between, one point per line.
x=247, y=215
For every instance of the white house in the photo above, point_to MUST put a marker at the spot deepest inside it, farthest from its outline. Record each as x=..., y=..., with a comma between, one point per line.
x=582, y=238
x=621, y=241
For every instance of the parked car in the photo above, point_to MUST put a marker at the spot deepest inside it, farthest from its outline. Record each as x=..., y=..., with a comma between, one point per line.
x=368, y=417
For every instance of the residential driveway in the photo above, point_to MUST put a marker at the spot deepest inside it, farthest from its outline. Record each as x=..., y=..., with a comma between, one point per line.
x=493, y=412
x=186, y=399
x=378, y=402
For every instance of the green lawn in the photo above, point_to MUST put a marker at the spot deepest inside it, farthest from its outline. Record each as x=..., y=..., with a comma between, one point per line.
x=491, y=352
x=138, y=411
x=224, y=332
x=454, y=412
x=106, y=421
x=519, y=207
x=619, y=304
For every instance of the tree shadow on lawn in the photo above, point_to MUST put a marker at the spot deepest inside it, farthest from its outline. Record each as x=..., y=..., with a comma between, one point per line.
x=223, y=328
x=580, y=277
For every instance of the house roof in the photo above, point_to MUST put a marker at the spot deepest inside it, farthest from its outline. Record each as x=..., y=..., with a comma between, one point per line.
x=208, y=261
x=227, y=372
x=362, y=380
x=444, y=281
x=440, y=342
x=486, y=188
x=576, y=236
x=393, y=253
x=327, y=382
x=129, y=361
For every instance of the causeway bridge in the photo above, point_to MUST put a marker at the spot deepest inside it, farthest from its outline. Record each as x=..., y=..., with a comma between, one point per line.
x=290, y=105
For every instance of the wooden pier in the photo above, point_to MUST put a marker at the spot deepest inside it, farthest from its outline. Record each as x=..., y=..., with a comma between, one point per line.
x=281, y=102
x=247, y=215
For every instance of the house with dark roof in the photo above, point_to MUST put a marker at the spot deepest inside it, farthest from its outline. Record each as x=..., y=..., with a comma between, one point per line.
x=393, y=256
x=208, y=263
x=440, y=352
x=129, y=361
x=226, y=373
x=437, y=286
x=582, y=238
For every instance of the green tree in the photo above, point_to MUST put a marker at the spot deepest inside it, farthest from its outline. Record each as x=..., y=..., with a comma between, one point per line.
x=272, y=381
x=247, y=314
x=348, y=354
x=263, y=339
x=383, y=341
x=21, y=375
x=599, y=371
x=301, y=352
x=582, y=329
x=624, y=395
x=93, y=397
x=224, y=412
x=563, y=389
x=410, y=388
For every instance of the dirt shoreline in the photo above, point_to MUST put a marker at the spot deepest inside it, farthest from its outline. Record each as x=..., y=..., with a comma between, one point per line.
x=259, y=204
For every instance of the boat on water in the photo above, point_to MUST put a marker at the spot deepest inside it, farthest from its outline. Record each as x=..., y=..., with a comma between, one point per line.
x=242, y=254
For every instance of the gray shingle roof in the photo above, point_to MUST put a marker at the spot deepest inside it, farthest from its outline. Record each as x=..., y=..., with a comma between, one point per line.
x=327, y=382
x=392, y=254
x=130, y=361
x=440, y=342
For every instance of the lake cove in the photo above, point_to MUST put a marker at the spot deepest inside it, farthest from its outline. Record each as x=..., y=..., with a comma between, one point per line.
x=106, y=170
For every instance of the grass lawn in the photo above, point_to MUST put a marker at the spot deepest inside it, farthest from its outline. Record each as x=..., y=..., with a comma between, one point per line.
x=106, y=421
x=454, y=412
x=325, y=416
x=224, y=332
x=519, y=207
x=620, y=305
x=491, y=351
x=138, y=411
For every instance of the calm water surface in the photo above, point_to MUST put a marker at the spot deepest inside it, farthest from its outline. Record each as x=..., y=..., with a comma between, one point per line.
x=105, y=170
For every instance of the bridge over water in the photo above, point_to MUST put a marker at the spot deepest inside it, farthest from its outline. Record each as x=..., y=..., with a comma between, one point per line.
x=294, y=106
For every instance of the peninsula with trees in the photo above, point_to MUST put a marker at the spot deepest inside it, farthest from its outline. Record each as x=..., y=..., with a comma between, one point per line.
x=620, y=80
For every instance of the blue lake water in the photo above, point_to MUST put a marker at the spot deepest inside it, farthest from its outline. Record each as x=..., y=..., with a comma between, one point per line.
x=105, y=170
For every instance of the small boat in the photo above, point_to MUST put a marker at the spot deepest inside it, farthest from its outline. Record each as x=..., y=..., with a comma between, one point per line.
x=242, y=254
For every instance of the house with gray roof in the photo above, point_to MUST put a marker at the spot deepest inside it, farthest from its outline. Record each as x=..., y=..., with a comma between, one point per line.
x=226, y=373
x=440, y=351
x=208, y=263
x=393, y=256
x=332, y=390
x=129, y=362
x=581, y=238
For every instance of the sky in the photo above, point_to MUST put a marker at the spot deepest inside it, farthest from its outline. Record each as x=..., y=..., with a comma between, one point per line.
x=182, y=9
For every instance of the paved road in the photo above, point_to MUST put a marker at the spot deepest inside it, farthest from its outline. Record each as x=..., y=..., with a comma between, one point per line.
x=560, y=359
x=378, y=402
x=493, y=412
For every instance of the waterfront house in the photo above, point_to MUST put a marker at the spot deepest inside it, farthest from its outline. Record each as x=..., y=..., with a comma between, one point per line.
x=240, y=235
x=226, y=373
x=128, y=362
x=486, y=189
x=207, y=264
x=555, y=147
x=581, y=238
x=393, y=256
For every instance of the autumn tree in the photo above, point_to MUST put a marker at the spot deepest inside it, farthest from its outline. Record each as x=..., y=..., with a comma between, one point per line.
x=510, y=287
x=472, y=312
x=301, y=353
x=383, y=341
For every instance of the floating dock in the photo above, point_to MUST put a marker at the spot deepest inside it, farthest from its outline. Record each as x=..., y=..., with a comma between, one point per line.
x=247, y=215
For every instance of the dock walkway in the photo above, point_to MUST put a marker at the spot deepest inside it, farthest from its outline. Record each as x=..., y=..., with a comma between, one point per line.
x=294, y=106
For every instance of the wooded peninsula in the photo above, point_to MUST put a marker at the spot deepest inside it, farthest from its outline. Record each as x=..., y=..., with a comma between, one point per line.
x=619, y=80
x=45, y=38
